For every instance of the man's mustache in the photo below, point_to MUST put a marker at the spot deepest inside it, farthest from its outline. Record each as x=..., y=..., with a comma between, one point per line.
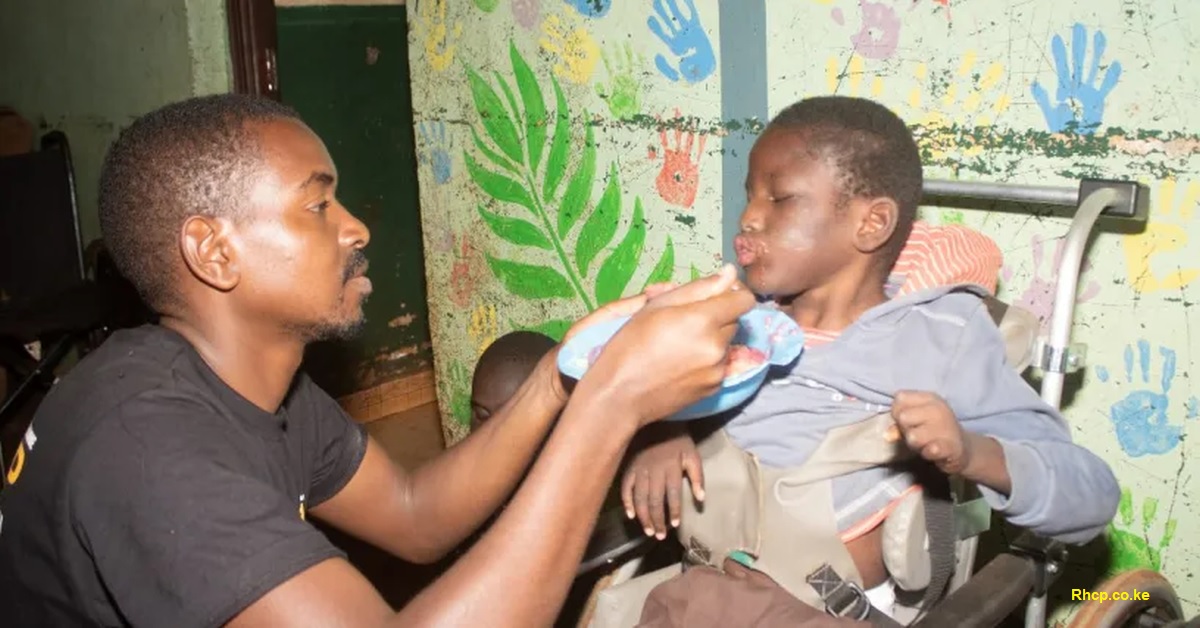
x=355, y=266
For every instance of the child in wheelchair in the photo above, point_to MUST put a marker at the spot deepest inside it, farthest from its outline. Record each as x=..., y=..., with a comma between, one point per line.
x=903, y=362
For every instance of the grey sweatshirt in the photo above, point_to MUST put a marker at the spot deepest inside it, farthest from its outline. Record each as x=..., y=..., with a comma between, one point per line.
x=943, y=342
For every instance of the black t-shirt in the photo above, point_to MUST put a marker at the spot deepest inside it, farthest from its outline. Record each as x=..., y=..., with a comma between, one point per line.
x=149, y=493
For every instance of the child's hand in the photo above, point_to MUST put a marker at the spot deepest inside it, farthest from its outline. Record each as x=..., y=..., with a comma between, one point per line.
x=656, y=470
x=930, y=428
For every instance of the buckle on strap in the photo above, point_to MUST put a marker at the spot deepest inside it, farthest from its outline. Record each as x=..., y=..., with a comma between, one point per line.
x=842, y=598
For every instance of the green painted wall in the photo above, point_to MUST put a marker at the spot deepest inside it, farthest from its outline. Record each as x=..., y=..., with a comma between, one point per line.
x=88, y=68
x=520, y=227
x=343, y=69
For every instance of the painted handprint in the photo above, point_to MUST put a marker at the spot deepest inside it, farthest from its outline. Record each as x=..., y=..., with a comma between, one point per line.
x=436, y=151
x=846, y=77
x=1140, y=419
x=679, y=178
x=879, y=34
x=1038, y=298
x=439, y=37
x=1079, y=106
x=454, y=386
x=526, y=12
x=1131, y=548
x=591, y=8
x=576, y=50
x=483, y=328
x=686, y=39
x=1175, y=203
x=622, y=94
x=464, y=274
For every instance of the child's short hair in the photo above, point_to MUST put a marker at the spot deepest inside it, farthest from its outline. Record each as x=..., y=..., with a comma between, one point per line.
x=502, y=368
x=872, y=149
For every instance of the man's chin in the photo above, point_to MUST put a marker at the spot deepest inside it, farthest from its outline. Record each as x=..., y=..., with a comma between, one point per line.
x=338, y=330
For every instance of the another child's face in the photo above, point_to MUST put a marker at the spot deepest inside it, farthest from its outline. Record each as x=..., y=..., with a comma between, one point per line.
x=792, y=234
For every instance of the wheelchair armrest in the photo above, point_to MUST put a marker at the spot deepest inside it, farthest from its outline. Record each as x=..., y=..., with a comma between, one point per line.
x=992, y=594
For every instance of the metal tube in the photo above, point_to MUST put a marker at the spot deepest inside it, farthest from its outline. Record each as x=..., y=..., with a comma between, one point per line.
x=1068, y=282
x=1035, y=612
x=1003, y=192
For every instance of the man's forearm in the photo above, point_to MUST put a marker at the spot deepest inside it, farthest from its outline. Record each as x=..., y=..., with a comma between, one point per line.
x=460, y=489
x=519, y=573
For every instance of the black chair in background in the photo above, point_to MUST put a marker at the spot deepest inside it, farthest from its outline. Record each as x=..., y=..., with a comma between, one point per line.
x=46, y=293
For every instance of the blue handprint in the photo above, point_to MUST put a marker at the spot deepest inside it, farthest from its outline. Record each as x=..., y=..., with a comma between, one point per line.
x=1140, y=419
x=1080, y=105
x=437, y=150
x=591, y=8
x=686, y=39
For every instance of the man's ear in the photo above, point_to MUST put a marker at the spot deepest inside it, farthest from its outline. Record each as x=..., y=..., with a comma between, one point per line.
x=877, y=219
x=209, y=252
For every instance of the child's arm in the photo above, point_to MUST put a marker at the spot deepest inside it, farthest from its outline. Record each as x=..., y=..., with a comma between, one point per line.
x=1011, y=443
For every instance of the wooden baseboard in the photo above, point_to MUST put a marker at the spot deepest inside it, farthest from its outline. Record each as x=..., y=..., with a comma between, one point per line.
x=398, y=395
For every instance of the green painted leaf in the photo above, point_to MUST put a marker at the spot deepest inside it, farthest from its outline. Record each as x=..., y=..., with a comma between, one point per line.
x=529, y=281
x=560, y=144
x=618, y=269
x=512, y=104
x=493, y=156
x=515, y=230
x=695, y=273
x=535, y=107
x=498, y=186
x=665, y=267
x=556, y=329
x=496, y=121
x=579, y=189
x=601, y=226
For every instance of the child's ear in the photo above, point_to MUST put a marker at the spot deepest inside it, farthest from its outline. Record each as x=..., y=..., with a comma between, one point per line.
x=876, y=224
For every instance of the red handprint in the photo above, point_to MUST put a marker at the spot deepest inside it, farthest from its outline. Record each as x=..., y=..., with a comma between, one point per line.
x=465, y=272
x=679, y=178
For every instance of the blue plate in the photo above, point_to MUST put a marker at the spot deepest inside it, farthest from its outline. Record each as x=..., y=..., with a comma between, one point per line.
x=764, y=328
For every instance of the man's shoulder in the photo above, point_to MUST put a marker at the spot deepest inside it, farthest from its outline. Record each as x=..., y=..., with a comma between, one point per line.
x=140, y=383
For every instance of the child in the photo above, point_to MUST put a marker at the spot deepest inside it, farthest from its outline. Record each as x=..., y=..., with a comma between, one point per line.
x=832, y=194
x=501, y=370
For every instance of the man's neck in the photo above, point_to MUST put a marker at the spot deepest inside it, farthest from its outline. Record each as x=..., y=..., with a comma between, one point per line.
x=257, y=365
x=835, y=306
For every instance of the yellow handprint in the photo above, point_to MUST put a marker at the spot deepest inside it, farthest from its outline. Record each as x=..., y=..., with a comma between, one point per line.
x=1159, y=238
x=854, y=71
x=957, y=100
x=483, y=328
x=576, y=50
x=439, y=39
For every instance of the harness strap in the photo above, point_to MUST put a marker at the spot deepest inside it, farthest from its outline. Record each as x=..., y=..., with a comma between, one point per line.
x=941, y=534
x=846, y=599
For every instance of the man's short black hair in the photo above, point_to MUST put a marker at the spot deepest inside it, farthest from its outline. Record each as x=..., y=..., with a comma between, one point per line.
x=194, y=157
x=872, y=149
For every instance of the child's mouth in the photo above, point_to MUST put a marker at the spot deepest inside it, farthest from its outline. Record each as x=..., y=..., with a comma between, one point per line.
x=745, y=250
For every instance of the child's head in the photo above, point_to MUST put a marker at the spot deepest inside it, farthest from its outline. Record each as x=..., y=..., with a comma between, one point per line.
x=832, y=192
x=501, y=370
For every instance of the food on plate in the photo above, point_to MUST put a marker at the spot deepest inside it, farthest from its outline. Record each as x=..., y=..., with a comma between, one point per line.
x=741, y=359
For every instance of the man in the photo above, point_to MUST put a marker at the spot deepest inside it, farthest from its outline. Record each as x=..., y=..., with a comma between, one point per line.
x=167, y=479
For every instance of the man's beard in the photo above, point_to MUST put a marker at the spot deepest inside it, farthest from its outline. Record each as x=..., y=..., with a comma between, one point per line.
x=343, y=329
